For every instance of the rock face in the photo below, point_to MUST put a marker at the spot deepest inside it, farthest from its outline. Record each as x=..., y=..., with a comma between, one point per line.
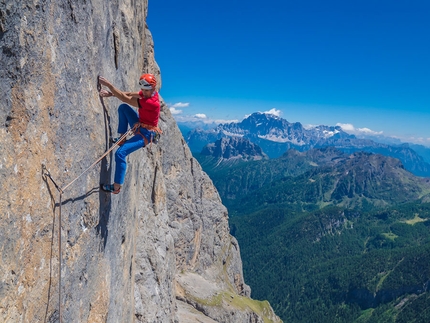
x=140, y=256
x=234, y=148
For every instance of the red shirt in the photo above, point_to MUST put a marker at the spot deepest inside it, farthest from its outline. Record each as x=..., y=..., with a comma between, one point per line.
x=149, y=109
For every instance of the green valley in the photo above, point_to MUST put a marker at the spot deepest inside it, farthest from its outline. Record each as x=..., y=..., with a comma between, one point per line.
x=331, y=237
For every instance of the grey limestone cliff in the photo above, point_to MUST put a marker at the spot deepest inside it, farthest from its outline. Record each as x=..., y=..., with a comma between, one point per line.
x=160, y=251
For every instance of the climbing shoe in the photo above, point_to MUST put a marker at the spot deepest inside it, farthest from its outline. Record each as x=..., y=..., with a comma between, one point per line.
x=109, y=188
x=116, y=140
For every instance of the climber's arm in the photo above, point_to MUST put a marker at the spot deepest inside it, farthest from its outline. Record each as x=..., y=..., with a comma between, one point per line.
x=126, y=97
x=133, y=94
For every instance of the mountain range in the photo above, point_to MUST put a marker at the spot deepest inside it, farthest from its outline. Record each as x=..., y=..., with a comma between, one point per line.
x=276, y=135
x=232, y=149
x=323, y=176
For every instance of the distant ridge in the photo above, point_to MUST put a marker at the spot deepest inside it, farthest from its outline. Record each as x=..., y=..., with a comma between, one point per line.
x=276, y=135
x=324, y=176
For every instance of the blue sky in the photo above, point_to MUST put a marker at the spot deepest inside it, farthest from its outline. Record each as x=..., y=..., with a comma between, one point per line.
x=362, y=64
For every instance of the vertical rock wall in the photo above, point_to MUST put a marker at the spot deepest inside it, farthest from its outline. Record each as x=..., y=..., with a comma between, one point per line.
x=52, y=52
x=140, y=256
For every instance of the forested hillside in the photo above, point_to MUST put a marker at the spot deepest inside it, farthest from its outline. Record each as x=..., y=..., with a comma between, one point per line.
x=337, y=265
x=315, y=178
x=331, y=237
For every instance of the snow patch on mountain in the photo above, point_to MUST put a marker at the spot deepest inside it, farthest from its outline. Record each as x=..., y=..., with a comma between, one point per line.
x=328, y=134
x=232, y=134
x=276, y=138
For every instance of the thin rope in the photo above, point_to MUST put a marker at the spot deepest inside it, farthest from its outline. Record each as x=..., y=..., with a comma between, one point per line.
x=103, y=156
x=59, y=260
x=48, y=174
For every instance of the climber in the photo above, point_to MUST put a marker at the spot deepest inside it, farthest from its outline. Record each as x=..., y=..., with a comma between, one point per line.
x=148, y=104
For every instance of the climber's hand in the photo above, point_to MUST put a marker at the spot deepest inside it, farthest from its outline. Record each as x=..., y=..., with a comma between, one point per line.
x=105, y=82
x=105, y=94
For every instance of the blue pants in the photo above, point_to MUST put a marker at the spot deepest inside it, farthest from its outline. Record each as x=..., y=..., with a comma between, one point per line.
x=128, y=117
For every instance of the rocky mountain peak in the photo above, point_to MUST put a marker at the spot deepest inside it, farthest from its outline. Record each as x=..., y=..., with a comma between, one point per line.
x=234, y=148
x=264, y=125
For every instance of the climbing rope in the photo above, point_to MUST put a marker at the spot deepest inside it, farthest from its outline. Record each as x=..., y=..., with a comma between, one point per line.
x=61, y=191
x=48, y=174
x=103, y=156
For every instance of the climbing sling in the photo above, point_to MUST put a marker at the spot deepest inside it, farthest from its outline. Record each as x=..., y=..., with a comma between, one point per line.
x=154, y=137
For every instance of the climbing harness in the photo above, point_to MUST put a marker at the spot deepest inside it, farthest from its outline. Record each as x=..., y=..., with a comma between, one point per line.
x=156, y=130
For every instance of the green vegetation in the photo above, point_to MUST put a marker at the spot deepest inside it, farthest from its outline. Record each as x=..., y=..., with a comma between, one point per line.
x=363, y=181
x=415, y=220
x=329, y=238
x=262, y=308
x=390, y=236
x=334, y=265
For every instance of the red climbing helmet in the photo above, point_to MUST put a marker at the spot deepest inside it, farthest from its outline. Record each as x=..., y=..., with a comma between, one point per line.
x=147, y=82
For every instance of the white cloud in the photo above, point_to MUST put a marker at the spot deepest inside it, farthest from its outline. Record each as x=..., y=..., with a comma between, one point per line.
x=348, y=127
x=369, y=131
x=201, y=118
x=175, y=111
x=225, y=121
x=174, y=107
x=274, y=112
x=180, y=105
x=416, y=140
